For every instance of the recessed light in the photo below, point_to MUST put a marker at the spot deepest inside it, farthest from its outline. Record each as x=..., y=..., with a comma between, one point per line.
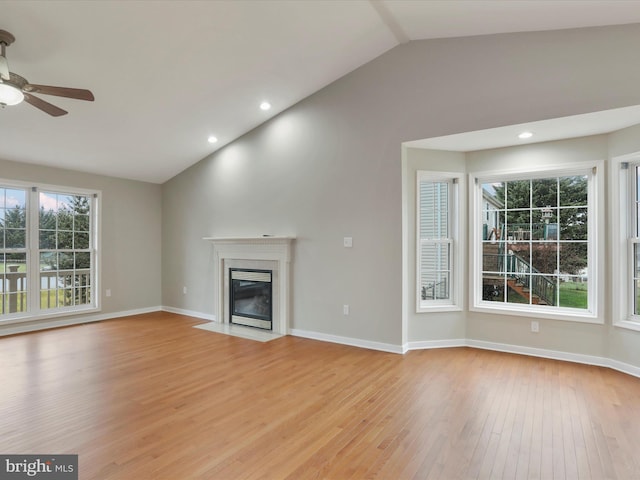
x=525, y=135
x=265, y=106
x=212, y=139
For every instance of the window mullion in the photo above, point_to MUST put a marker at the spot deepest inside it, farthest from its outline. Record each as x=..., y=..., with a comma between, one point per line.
x=33, y=254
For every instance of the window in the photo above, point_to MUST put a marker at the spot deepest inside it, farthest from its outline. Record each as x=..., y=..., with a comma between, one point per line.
x=535, y=243
x=13, y=250
x=626, y=238
x=634, y=242
x=437, y=246
x=48, y=255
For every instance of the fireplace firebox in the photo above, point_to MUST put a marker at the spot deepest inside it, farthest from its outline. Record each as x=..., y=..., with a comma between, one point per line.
x=250, y=298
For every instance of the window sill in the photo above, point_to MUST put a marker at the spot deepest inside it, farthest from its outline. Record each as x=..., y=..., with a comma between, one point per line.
x=569, y=316
x=628, y=324
x=439, y=308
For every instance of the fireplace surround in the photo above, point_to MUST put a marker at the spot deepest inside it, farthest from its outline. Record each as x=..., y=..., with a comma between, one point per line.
x=268, y=254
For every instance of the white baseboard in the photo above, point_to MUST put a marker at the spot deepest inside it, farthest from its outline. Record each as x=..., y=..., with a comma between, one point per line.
x=539, y=352
x=623, y=367
x=190, y=313
x=463, y=342
x=557, y=355
x=354, y=342
x=24, y=327
x=428, y=344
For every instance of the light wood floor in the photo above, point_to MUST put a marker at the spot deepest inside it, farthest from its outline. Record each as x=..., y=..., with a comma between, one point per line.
x=149, y=397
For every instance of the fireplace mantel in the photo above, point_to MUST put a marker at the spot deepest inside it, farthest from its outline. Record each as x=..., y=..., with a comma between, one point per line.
x=274, y=249
x=264, y=239
x=271, y=244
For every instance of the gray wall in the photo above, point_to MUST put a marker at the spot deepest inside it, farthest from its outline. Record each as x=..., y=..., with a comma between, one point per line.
x=432, y=326
x=331, y=166
x=131, y=243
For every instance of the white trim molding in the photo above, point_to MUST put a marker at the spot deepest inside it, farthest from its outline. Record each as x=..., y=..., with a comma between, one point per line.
x=557, y=355
x=429, y=344
x=480, y=344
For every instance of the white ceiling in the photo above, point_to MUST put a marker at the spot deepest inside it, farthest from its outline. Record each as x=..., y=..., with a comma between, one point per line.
x=167, y=74
x=543, y=131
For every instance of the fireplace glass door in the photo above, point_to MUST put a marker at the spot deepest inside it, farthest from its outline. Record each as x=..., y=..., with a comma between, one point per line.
x=251, y=297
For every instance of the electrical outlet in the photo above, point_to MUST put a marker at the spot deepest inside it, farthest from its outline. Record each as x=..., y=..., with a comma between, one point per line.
x=345, y=309
x=535, y=326
x=348, y=242
x=184, y=290
x=108, y=292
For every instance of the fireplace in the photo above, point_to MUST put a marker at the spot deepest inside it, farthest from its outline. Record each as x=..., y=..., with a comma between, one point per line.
x=258, y=255
x=250, y=297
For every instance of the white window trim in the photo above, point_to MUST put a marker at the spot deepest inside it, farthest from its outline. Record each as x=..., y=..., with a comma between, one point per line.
x=596, y=234
x=454, y=303
x=33, y=190
x=622, y=224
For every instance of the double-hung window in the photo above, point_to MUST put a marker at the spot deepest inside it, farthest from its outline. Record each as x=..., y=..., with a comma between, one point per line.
x=48, y=251
x=626, y=239
x=437, y=241
x=535, y=243
x=13, y=250
x=634, y=243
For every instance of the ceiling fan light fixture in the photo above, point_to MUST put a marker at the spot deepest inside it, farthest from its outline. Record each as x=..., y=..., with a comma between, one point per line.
x=10, y=95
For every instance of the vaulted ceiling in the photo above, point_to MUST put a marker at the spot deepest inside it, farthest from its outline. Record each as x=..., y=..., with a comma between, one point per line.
x=168, y=74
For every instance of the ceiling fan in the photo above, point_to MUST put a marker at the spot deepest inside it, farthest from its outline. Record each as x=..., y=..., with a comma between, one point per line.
x=14, y=88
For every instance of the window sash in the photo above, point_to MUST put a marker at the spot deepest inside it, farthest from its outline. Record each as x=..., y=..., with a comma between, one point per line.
x=435, y=272
x=634, y=280
x=633, y=250
x=436, y=243
x=533, y=212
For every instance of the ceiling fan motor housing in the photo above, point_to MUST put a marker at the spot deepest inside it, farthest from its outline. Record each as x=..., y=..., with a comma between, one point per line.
x=6, y=38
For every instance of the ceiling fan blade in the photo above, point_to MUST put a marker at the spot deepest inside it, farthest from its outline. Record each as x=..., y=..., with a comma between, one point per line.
x=4, y=69
x=44, y=106
x=77, y=93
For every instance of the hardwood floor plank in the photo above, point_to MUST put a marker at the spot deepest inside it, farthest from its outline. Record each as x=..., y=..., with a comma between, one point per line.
x=150, y=397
